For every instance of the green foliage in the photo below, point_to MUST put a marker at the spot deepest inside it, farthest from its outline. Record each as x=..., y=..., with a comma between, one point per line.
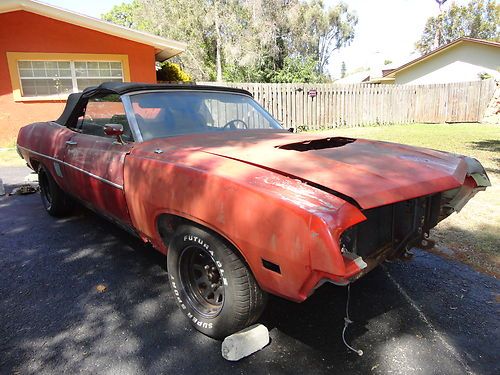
x=318, y=31
x=170, y=72
x=298, y=70
x=251, y=40
x=124, y=15
x=485, y=75
x=294, y=70
x=479, y=19
x=238, y=73
x=387, y=62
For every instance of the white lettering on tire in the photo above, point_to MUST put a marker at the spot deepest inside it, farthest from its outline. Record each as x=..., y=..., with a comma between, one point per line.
x=195, y=320
x=198, y=240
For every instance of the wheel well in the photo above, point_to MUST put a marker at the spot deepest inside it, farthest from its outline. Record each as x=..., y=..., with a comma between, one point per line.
x=35, y=164
x=168, y=223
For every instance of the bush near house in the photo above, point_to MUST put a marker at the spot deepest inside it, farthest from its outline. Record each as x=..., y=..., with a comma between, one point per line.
x=171, y=72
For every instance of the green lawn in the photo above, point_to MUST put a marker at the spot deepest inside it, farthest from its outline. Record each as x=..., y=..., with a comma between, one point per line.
x=473, y=235
x=9, y=157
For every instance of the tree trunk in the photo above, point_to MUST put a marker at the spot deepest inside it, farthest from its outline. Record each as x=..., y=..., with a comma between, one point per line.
x=218, y=42
x=437, y=37
x=218, y=63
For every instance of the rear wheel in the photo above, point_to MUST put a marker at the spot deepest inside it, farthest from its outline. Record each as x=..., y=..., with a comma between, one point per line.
x=55, y=201
x=212, y=285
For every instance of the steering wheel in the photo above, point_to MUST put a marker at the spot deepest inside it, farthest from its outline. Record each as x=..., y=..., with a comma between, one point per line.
x=232, y=124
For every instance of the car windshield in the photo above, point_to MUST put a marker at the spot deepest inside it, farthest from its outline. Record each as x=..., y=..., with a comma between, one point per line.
x=167, y=113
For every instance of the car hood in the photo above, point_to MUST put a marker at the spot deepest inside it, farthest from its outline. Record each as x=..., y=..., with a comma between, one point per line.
x=371, y=173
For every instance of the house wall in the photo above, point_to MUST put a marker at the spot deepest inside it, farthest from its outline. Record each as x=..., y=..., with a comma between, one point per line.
x=22, y=31
x=463, y=62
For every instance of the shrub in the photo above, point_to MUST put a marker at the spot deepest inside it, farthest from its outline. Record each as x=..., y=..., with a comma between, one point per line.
x=171, y=72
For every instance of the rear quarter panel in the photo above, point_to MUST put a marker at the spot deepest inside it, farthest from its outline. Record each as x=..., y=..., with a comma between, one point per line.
x=42, y=142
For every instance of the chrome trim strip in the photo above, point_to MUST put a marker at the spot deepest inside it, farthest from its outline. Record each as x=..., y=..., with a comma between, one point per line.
x=72, y=166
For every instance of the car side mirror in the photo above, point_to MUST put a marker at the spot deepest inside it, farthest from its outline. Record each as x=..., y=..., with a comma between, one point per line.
x=114, y=130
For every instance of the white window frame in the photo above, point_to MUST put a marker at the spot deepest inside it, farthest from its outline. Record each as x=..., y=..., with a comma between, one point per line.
x=15, y=79
x=74, y=78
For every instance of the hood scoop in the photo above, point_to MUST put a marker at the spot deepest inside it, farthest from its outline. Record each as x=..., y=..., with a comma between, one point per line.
x=317, y=144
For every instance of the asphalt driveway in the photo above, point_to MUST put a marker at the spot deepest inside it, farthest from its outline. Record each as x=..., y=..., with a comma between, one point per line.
x=427, y=316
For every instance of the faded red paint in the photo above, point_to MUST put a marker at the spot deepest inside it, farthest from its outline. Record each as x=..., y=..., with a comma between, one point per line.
x=244, y=204
x=22, y=31
x=301, y=225
x=101, y=157
x=270, y=201
x=363, y=169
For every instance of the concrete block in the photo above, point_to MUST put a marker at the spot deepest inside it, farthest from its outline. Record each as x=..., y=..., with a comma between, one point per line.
x=243, y=343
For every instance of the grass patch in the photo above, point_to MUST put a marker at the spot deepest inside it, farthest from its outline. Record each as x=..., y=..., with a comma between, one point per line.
x=472, y=235
x=10, y=158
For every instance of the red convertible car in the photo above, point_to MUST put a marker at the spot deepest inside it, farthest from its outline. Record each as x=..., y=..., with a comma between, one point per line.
x=241, y=206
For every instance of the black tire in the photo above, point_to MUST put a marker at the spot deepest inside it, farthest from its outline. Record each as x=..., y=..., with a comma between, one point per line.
x=55, y=201
x=211, y=310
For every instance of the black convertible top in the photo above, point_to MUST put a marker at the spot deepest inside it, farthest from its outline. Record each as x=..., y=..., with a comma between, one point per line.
x=76, y=102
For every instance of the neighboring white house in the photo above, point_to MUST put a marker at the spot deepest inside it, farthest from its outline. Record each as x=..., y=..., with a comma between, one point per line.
x=464, y=59
x=371, y=75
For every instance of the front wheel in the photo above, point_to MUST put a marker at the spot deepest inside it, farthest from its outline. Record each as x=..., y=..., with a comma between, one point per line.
x=212, y=286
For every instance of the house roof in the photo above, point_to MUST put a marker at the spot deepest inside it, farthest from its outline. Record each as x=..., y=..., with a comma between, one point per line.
x=439, y=50
x=354, y=78
x=164, y=48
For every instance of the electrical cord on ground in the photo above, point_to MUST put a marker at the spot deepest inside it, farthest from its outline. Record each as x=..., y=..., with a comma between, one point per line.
x=348, y=321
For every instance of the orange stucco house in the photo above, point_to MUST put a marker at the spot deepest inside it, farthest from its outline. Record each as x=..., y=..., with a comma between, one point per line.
x=48, y=52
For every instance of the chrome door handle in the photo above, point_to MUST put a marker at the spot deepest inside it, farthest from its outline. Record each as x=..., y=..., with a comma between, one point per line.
x=71, y=143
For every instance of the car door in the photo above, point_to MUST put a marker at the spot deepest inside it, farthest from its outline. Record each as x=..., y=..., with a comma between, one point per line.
x=94, y=162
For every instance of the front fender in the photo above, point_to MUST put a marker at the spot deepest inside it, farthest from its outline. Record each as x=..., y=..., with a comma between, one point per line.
x=270, y=219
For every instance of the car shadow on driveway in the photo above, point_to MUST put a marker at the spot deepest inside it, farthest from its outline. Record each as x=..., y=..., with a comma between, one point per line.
x=53, y=319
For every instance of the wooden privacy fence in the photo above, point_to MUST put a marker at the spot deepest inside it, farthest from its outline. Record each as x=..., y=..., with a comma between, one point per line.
x=317, y=106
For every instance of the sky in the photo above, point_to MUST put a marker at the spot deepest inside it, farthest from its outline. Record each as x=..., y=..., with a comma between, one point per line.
x=92, y=8
x=387, y=29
